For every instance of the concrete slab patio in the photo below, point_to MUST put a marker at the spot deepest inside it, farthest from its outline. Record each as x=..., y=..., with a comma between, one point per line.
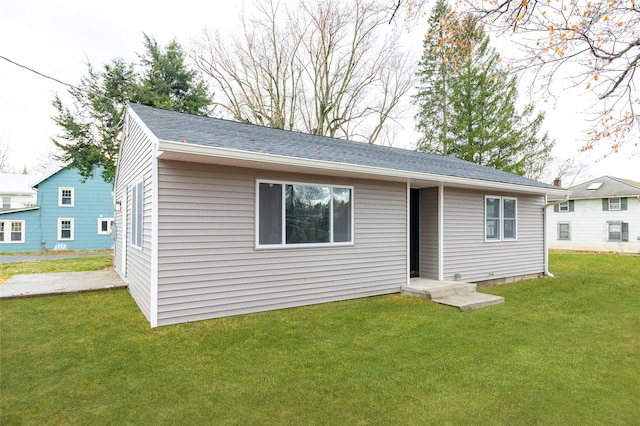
x=31, y=285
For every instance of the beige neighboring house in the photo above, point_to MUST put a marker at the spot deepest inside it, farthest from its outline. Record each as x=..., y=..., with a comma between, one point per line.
x=602, y=214
x=16, y=191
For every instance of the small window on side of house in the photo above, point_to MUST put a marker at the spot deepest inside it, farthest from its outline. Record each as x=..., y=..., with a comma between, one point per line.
x=564, y=207
x=564, y=231
x=614, y=204
x=6, y=203
x=104, y=225
x=65, y=197
x=617, y=231
x=137, y=214
x=65, y=229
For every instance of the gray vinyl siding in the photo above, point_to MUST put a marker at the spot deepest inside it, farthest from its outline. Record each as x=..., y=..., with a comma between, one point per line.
x=208, y=265
x=428, y=230
x=135, y=164
x=466, y=252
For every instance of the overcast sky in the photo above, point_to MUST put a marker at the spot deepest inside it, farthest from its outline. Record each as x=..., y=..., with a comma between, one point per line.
x=57, y=38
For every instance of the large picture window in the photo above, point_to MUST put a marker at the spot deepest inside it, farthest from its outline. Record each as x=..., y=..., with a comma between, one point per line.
x=501, y=218
x=295, y=214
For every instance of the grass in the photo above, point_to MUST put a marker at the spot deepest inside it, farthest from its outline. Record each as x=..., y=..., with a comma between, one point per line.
x=89, y=263
x=559, y=351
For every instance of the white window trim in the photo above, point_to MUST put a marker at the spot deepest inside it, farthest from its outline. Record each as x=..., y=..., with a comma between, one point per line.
x=619, y=204
x=73, y=198
x=133, y=221
x=558, y=231
x=7, y=232
x=563, y=207
x=60, y=219
x=283, y=244
x=109, y=221
x=500, y=220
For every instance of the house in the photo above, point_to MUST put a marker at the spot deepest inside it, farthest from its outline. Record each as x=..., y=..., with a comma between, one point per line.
x=16, y=191
x=217, y=218
x=68, y=215
x=602, y=214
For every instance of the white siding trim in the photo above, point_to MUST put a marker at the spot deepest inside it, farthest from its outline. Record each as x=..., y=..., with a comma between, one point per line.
x=441, y=232
x=170, y=150
x=409, y=231
x=123, y=231
x=154, y=239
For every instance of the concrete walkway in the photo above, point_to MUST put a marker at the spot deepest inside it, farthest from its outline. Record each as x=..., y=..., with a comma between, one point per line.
x=31, y=285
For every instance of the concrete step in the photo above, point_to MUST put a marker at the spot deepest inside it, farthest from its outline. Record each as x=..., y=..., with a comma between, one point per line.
x=469, y=301
x=431, y=289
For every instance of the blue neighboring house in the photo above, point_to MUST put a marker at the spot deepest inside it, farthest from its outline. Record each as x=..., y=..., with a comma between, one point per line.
x=69, y=215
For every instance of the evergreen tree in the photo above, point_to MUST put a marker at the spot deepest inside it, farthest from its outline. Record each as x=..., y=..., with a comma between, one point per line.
x=477, y=98
x=91, y=126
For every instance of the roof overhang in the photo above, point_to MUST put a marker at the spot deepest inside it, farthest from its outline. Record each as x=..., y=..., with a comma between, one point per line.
x=24, y=209
x=182, y=151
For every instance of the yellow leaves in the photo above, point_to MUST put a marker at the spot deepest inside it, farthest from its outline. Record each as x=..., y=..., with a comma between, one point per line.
x=588, y=86
x=551, y=29
x=619, y=24
x=595, y=77
x=606, y=18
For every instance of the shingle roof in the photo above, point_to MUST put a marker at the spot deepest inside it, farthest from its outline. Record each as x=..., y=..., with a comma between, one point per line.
x=219, y=133
x=611, y=187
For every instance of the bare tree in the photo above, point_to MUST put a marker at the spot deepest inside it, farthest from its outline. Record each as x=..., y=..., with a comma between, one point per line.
x=596, y=43
x=4, y=157
x=327, y=68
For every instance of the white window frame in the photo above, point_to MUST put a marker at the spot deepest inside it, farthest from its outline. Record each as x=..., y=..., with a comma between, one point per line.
x=568, y=231
x=563, y=207
x=65, y=188
x=501, y=219
x=72, y=224
x=7, y=231
x=6, y=199
x=137, y=214
x=109, y=221
x=615, y=206
x=283, y=244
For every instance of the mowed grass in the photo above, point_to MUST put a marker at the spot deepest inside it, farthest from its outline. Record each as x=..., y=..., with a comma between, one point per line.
x=88, y=263
x=559, y=351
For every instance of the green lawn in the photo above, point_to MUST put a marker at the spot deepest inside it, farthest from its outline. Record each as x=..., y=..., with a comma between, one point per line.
x=559, y=351
x=89, y=263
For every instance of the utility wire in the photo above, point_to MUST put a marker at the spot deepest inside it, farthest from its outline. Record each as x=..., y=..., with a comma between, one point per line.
x=39, y=73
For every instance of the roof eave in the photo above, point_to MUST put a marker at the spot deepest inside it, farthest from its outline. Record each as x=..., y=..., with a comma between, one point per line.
x=171, y=150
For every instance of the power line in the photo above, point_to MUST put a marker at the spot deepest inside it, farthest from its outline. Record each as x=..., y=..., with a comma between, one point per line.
x=39, y=73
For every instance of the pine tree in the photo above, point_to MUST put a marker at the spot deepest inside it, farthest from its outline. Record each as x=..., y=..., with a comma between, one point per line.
x=91, y=126
x=482, y=122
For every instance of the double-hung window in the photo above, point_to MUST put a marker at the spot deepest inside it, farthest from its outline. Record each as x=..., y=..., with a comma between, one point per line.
x=501, y=218
x=65, y=229
x=12, y=231
x=564, y=231
x=618, y=231
x=65, y=197
x=303, y=214
x=137, y=214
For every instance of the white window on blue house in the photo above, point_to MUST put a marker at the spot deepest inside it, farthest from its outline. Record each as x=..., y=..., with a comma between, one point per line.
x=137, y=214
x=65, y=229
x=300, y=214
x=501, y=218
x=12, y=231
x=104, y=225
x=65, y=196
x=6, y=203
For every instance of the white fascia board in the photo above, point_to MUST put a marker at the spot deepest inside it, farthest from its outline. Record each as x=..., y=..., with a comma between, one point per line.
x=378, y=172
